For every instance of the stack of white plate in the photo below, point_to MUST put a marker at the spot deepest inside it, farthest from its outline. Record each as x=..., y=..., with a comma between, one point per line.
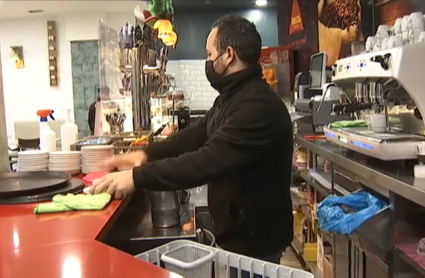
x=69, y=162
x=33, y=161
x=93, y=157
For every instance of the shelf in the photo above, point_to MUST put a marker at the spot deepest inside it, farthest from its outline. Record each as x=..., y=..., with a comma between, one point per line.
x=372, y=235
x=407, y=237
x=297, y=198
x=407, y=252
x=311, y=178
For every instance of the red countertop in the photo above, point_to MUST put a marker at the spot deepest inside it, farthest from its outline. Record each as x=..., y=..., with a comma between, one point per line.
x=64, y=245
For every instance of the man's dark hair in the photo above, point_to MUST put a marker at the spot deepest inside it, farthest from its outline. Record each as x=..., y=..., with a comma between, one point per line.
x=240, y=34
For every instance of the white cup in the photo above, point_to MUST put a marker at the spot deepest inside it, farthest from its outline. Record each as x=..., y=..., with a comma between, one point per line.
x=414, y=35
x=421, y=37
x=384, y=44
x=405, y=24
x=416, y=20
x=370, y=43
x=377, y=122
x=405, y=37
x=395, y=41
x=397, y=26
x=383, y=32
x=377, y=46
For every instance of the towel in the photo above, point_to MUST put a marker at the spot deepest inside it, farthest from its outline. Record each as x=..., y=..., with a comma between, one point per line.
x=341, y=124
x=90, y=177
x=62, y=203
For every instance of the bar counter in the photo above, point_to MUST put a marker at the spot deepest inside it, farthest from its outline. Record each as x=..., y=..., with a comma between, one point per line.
x=371, y=173
x=65, y=245
x=390, y=239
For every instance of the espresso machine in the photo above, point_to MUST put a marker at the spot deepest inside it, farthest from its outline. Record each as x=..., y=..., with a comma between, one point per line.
x=316, y=99
x=389, y=82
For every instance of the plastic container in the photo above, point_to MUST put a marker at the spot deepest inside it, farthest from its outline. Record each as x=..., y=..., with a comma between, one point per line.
x=69, y=133
x=47, y=135
x=189, y=261
x=224, y=260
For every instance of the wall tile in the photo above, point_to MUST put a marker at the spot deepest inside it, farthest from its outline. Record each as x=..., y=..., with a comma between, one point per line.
x=85, y=77
x=190, y=78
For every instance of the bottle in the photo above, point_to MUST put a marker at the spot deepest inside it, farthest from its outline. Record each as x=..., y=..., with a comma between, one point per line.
x=69, y=133
x=47, y=135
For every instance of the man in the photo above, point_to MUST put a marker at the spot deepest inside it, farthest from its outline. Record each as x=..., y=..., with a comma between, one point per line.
x=103, y=94
x=242, y=148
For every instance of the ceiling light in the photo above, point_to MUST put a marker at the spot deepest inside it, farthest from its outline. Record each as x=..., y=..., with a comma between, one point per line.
x=261, y=3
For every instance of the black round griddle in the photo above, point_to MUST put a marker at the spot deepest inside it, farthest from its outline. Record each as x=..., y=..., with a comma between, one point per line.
x=24, y=184
x=73, y=186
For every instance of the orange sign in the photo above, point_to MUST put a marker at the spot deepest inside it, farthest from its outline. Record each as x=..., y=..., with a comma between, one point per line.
x=296, y=25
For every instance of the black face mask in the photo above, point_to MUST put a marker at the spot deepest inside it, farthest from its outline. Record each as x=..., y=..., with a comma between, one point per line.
x=211, y=74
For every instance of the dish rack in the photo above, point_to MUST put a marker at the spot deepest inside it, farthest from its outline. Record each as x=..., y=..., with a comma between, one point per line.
x=120, y=141
x=124, y=146
x=188, y=258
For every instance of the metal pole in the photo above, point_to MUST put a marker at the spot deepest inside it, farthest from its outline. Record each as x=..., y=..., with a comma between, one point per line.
x=4, y=151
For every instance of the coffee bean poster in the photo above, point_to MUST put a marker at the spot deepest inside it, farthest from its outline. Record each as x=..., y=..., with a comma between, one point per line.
x=342, y=22
x=389, y=10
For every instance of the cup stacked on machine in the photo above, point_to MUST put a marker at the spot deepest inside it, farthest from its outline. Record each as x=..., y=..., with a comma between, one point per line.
x=69, y=162
x=33, y=161
x=94, y=157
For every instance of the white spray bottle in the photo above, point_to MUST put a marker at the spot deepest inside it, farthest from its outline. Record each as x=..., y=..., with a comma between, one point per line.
x=69, y=133
x=47, y=135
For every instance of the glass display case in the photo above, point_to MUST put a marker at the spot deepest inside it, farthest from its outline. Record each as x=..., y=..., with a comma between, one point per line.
x=115, y=76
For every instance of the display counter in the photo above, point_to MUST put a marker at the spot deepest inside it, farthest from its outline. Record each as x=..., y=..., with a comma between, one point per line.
x=391, y=237
x=69, y=244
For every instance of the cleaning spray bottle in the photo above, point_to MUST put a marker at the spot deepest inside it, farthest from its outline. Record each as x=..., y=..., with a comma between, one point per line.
x=69, y=133
x=47, y=135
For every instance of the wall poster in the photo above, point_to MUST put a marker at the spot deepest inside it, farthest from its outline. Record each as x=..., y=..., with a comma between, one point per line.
x=342, y=22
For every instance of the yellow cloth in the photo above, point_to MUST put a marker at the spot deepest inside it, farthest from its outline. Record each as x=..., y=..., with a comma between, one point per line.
x=70, y=202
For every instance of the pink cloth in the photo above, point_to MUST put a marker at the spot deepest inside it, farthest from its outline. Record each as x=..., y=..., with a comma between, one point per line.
x=90, y=177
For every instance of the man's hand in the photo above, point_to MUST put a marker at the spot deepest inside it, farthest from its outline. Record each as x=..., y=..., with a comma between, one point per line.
x=130, y=160
x=117, y=184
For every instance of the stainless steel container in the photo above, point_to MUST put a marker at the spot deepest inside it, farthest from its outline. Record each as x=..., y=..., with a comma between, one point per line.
x=165, y=207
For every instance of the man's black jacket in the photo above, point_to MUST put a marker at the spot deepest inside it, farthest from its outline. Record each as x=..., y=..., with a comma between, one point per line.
x=243, y=150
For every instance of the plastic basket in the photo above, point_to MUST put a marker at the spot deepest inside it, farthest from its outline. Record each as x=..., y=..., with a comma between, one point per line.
x=189, y=261
x=223, y=261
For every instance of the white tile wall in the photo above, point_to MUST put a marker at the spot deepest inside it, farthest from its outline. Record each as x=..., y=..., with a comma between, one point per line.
x=190, y=78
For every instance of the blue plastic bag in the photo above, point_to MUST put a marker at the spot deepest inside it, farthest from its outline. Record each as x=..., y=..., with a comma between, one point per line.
x=332, y=218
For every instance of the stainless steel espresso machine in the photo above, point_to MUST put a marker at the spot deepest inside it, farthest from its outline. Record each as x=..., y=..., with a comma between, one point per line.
x=389, y=82
x=315, y=100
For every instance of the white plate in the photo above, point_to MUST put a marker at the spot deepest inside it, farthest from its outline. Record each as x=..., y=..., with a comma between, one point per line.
x=72, y=153
x=96, y=148
x=33, y=159
x=64, y=169
x=32, y=166
x=65, y=159
x=97, y=154
x=65, y=163
x=34, y=152
x=65, y=166
x=31, y=171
